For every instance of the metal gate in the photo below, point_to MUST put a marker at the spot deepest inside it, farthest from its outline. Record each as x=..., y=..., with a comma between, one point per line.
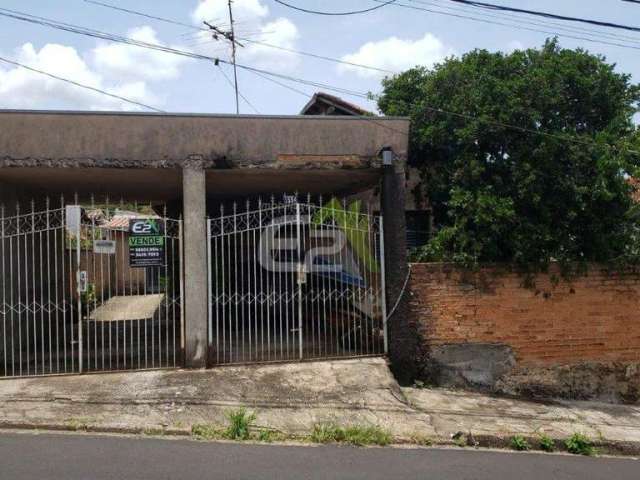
x=292, y=281
x=71, y=303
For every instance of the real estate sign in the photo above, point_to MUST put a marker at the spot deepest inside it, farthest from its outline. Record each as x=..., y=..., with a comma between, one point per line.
x=146, y=243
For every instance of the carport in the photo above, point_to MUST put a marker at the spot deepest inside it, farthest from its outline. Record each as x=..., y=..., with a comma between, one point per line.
x=203, y=175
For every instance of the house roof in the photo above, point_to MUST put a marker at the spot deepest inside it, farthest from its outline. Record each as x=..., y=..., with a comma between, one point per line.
x=321, y=99
x=635, y=183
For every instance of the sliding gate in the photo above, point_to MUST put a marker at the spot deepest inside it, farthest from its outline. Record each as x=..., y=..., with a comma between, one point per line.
x=292, y=281
x=70, y=299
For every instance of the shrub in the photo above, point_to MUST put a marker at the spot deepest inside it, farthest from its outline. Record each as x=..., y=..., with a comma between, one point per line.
x=547, y=444
x=519, y=443
x=580, y=444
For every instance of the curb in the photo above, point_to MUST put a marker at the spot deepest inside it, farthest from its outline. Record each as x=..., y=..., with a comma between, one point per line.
x=499, y=442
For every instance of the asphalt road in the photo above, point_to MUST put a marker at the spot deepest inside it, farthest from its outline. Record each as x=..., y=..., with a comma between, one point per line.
x=69, y=457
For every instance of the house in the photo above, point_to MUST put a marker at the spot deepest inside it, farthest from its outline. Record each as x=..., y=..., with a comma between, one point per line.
x=254, y=252
x=417, y=213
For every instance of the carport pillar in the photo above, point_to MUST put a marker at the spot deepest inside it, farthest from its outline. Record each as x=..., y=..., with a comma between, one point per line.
x=195, y=265
x=402, y=335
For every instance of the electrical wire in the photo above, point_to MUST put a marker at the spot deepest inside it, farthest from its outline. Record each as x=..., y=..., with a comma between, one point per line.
x=334, y=14
x=243, y=38
x=230, y=82
x=492, y=6
x=117, y=38
x=81, y=85
x=491, y=22
x=519, y=19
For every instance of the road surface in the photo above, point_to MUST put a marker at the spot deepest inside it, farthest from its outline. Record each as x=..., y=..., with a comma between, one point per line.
x=74, y=456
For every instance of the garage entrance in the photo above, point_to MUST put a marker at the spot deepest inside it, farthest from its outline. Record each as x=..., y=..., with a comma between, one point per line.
x=73, y=297
x=293, y=280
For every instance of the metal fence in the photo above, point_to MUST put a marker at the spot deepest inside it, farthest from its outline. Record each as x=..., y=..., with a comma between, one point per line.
x=291, y=280
x=71, y=302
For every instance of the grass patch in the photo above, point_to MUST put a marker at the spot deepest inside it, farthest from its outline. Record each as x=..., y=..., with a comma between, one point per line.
x=327, y=433
x=580, y=444
x=77, y=424
x=520, y=444
x=240, y=422
x=153, y=431
x=419, y=439
x=269, y=436
x=354, y=434
x=368, y=435
x=547, y=444
x=203, y=431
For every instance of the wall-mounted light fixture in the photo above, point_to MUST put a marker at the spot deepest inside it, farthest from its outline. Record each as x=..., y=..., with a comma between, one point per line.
x=387, y=155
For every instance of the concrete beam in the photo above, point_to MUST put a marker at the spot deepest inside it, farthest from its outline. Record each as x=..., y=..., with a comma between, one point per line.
x=195, y=265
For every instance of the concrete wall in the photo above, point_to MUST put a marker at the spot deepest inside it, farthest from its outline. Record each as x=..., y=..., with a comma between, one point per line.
x=575, y=338
x=106, y=139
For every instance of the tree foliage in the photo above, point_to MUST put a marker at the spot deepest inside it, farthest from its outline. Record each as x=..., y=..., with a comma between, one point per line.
x=515, y=155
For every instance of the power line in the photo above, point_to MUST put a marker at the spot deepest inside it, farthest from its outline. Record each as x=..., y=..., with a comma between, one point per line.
x=317, y=12
x=81, y=85
x=116, y=38
x=492, y=22
x=226, y=77
x=152, y=46
x=492, y=6
x=244, y=39
x=521, y=20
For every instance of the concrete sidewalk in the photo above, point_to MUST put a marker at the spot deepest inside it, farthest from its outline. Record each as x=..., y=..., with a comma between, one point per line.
x=291, y=398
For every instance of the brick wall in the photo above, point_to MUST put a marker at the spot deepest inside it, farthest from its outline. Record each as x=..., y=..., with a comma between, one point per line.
x=592, y=318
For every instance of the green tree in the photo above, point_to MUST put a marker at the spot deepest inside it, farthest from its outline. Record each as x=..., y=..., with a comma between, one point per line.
x=509, y=194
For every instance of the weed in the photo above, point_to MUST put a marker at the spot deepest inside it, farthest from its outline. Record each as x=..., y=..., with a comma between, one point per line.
x=205, y=431
x=77, y=424
x=354, y=434
x=268, y=436
x=367, y=435
x=580, y=444
x=520, y=443
x=153, y=431
x=419, y=439
x=240, y=424
x=327, y=433
x=460, y=439
x=547, y=444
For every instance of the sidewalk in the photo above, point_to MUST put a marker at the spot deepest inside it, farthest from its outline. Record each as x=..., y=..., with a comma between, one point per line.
x=291, y=398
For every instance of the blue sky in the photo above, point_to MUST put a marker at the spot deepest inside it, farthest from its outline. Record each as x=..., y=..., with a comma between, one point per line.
x=392, y=38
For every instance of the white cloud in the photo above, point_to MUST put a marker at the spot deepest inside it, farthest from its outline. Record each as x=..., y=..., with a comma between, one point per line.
x=127, y=62
x=280, y=33
x=218, y=11
x=21, y=88
x=253, y=22
x=396, y=54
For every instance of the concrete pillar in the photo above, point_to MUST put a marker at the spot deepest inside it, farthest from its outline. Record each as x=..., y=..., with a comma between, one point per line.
x=195, y=265
x=403, y=338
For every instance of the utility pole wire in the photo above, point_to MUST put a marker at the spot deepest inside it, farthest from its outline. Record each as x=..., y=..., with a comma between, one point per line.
x=508, y=25
x=81, y=85
x=243, y=38
x=492, y=6
x=317, y=12
x=241, y=96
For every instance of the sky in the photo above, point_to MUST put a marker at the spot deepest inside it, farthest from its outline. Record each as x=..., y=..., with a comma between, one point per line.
x=392, y=38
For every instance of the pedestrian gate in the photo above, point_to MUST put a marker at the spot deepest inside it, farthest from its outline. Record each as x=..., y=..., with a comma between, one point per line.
x=295, y=280
x=70, y=302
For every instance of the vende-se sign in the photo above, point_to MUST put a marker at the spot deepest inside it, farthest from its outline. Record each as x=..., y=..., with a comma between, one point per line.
x=146, y=243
